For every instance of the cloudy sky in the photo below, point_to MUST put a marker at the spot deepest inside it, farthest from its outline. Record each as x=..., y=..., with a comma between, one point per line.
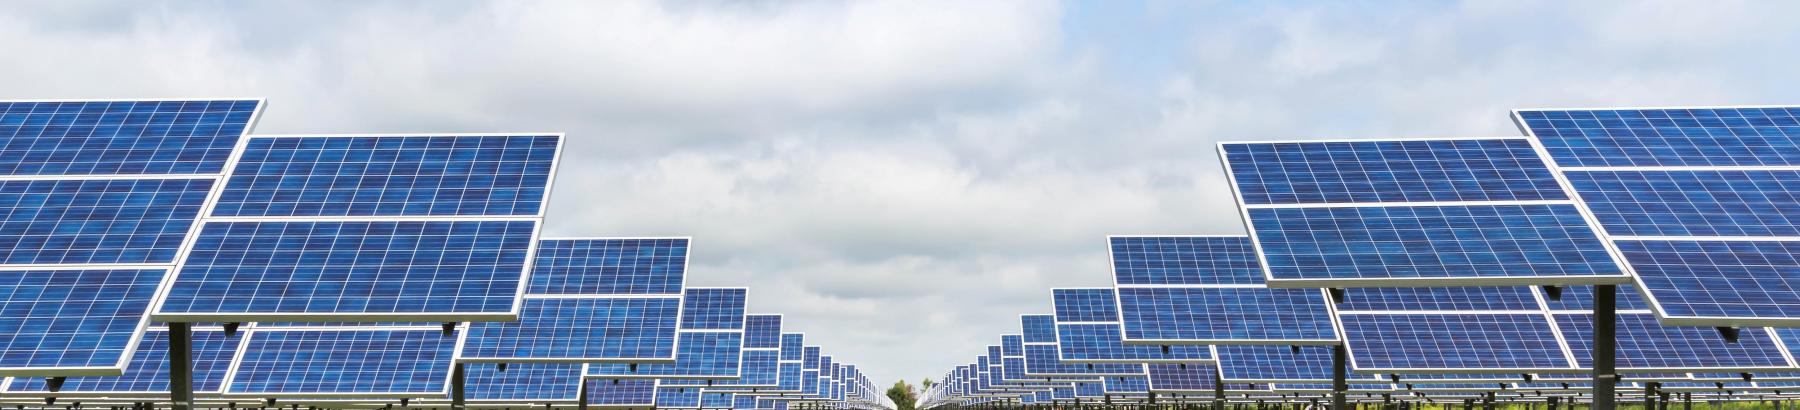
x=902, y=179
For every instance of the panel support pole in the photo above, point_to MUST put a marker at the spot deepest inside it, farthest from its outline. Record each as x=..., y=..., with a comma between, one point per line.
x=1218, y=389
x=456, y=387
x=181, y=366
x=1339, y=386
x=581, y=398
x=1605, y=340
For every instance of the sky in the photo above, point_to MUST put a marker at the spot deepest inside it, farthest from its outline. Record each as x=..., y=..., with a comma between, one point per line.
x=902, y=179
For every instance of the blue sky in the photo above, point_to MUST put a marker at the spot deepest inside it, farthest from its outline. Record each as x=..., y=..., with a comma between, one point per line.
x=903, y=178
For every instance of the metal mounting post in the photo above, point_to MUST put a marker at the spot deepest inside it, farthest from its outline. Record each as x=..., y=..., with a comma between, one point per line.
x=181, y=366
x=1605, y=340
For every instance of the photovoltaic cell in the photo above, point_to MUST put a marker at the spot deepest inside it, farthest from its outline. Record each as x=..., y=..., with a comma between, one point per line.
x=361, y=363
x=762, y=331
x=121, y=137
x=1667, y=137
x=648, y=266
x=98, y=221
x=1214, y=314
x=1085, y=305
x=580, y=329
x=148, y=372
x=1184, y=260
x=713, y=308
x=524, y=383
x=1390, y=171
x=267, y=268
x=1645, y=345
x=436, y=175
x=1467, y=342
x=72, y=321
x=1430, y=242
x=1039, y=328
x=697, y=355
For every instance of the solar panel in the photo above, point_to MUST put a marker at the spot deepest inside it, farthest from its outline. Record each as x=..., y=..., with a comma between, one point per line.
x=791, y=346
x=1644, y=345
x=716, y=400
x=758, y=369
x=713, y=308
x=568, y=317
x=1463, y=342
x=144, y=137
x=704, y=355
x=523, y=383
x=677, y=397
x=762, y=331
x=1209, y=290
x=1278, y=364
x=1101, y=343
x=1041, y=360
x=1012, y=346
x=1413, y=213
x=96, y=207
x=148, y=372
x=1182, y=378
x=1038, y=328
x=1093, y=389
x=622, y=393
x=348, y=362
x=1696, y=199
x=810, y=358
x=1116, y=385
x=374, y=227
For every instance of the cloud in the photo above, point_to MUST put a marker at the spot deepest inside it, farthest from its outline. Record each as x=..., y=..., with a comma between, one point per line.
x=900, y=178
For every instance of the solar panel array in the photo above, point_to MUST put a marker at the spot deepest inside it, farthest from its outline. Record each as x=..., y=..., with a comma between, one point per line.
x=1209, y=290
x=98, y=200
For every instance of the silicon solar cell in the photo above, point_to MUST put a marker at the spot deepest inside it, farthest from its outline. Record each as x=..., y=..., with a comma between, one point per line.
x=524, y=383
x=713, y=308
x=708, y=355
x=609, y=266
x=762, y=332
x=1644, y=345
x=414, y=175
x=677, y=397
x=97, y=221
x=402, y=269
x=315, y=362
x=622, y=393
x=634, y=330
x=1102, y=343
x=1038, y=328
x=1379, y=213
x=1460, y=342
x=148, y=372
x=121, y=137
x=791, y=346
x=1277, y=364
x=1177, y=378
x=72, y=321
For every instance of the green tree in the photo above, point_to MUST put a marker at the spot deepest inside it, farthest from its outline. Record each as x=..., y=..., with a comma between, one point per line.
x=903, y=395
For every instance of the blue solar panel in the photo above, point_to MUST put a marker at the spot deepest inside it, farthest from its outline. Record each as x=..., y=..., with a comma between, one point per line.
x=1225, y=314
x=1643, y=344
x=609, y=266
x=1094, y=389
x=716, y=400
x=713, y=308
x=810, y=358
x=789, y=378
x=677, y=397
x=1268, y=363
x=743, y=402
x=1102, y=343
x=1692, y=203
x=148, y=372
x=622, y=393
x=1582, y=298
x=697, y=355
x=100, y=221
x=1430, y=242
x=1667, y=137
x=1739, y=279
x=1085, y=305
x=259, y=269
x=121, y=137
x=1468, y=342
x=421, y=175
x=74, y=322
x=523, y=382
x=1062, y=393
x=1182, y=378
x=1390, y=171
x=1137, y=384
x=759, y=368
x=791, y=345
x=1439, y=299
x=1013, y=368
x=362, y=362
x=580, y=329
x=1043, y=360
x=1184, y=260
x=762, y=331
x=809, y=388
x=1012, y=346
x=1039, y=328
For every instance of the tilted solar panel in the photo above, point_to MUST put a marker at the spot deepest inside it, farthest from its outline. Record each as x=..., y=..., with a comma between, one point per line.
x=1041, y=360
x=98, y=221
x=72, y=321
x=1102, y=343
x=762, y=331
x=792, y=345
x=716, y=400
x=143, y=137
x=1413, y=213
x=610, y=266
x=621, y=393
x=703, y=355
x=148, y=373
x=1453, y=342
x=1646, y=346
x=713, y=308
x=1038, y=328
x=1085, y=305
x=1182, y=378
x=1278, y=364
x=1209, y=290
x=597, y=329
x=677, y=397
x=422, y=175
x=1137, y=384
x=1696, y=199
x=524, y=383
x=351, y=362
